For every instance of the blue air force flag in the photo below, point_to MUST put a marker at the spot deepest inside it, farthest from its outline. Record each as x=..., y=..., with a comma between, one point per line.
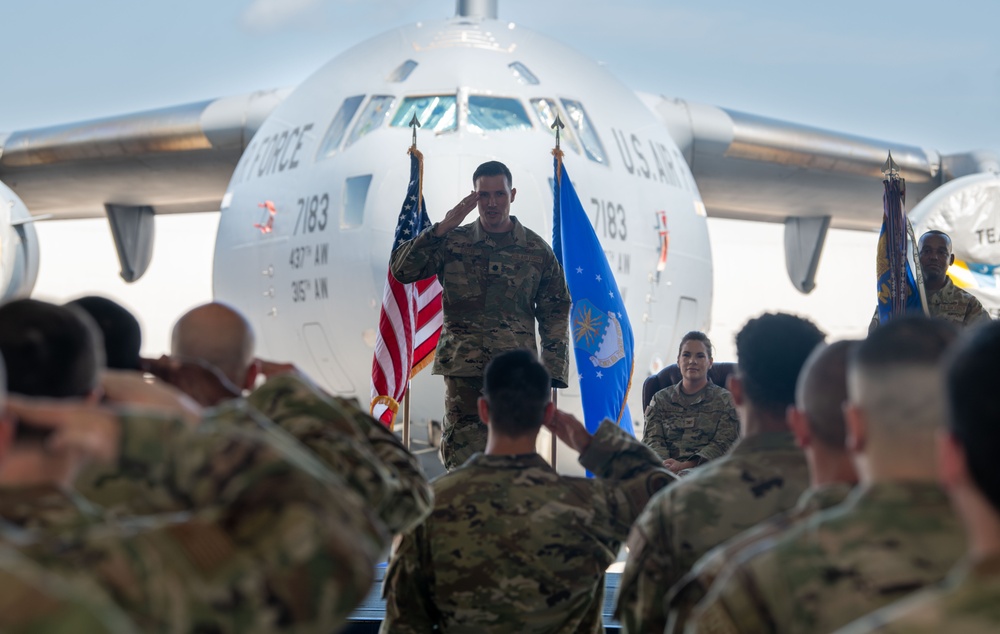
x=601, y=332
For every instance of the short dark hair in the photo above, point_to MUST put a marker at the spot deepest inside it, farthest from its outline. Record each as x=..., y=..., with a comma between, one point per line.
x=770, y=352
x=696, y=335
x=935, y=232
x=517, y=388
x=909, y=340
x=119, y=328
x=492, y=168
x=972, y=375
x=53, y=351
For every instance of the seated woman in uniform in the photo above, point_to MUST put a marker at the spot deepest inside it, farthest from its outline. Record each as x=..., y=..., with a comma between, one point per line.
x=694, y=421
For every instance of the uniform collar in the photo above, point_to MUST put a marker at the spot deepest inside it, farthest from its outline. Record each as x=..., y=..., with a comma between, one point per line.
x=899, y=494
x=678, y=396
x=945, y=291
x=521, y=461
x=768, y=441
x=823, y=497
x=517, y=232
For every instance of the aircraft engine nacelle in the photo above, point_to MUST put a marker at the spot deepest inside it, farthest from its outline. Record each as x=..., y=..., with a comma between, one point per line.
x=18, y=247
x=968, y=210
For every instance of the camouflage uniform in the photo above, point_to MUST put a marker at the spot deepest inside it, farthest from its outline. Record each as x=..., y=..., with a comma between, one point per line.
x=269, y=537
x=965, y=603
x=684, y=426
x=951, y=303
x=884, y=542
x=33, y=601
x=694, y=586
x=348, y=441
x=512, y=546
x=763, y=475
x=495, y=287
x=459, y=441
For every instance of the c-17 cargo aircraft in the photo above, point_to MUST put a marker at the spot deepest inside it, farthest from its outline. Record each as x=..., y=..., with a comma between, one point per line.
x=328, y=158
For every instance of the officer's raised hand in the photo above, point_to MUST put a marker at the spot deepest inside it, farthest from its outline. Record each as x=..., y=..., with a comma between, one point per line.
x=455, y=217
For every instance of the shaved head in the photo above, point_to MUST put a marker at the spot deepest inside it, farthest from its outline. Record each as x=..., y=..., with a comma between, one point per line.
x=216, y=334
x=822, y=391
x=895, y=375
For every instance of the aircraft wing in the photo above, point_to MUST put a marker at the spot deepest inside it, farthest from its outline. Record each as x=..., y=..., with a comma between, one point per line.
x=755, y=168
x=173, y=160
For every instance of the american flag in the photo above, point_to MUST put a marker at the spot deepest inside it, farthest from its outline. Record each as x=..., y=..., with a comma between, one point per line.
x=410, y=321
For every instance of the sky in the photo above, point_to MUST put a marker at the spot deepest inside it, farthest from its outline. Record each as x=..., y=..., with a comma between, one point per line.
x=923, y=73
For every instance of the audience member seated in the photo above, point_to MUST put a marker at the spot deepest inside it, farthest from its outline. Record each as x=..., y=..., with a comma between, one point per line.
x=671, y=375
x=267, y=540
x=35, y=600
x=343, y=437
x=764, y=474
x=967, y=462
x=817, y=421
x=694, y=421
x=511, y=545
x=119, y=328
x=893, y=535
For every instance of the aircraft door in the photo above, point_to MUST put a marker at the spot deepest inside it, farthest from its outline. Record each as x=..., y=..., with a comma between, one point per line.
x=687, y=320
x=322, y=355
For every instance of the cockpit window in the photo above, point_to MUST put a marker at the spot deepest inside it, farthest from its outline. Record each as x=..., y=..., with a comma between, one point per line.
x=581, y=124
x=436, y=113
x=335, y=133
x=522, y=74
x=372, y=117
x=402, y=71
x=546, y=110
x=496, y=113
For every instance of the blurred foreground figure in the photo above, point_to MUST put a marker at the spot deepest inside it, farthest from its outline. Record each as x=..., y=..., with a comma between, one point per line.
x=817, y=421
x=511, y=545
x=763, y=474
x=119, y=328
x=212, y=360
x=33, y=601
x=968, y=601
x=893, y=535
x=268, y=538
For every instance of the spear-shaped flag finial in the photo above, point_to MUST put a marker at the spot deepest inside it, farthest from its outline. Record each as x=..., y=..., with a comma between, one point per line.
x=557, y=125
x=890, y=168
x=414, y=123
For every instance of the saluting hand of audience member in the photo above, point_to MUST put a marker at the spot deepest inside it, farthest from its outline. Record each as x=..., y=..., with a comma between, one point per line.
x=75, y=426
x=268, y=369
x=569, y=430
x=199, y=380
x=125, y=387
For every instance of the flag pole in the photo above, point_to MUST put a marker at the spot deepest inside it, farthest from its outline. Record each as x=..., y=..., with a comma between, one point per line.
x=406, y=417
x=557, y=125
x=414, y=124
x=552, y=449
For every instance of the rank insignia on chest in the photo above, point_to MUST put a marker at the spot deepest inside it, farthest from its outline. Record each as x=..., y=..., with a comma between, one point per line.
x=495, y=267
x=687, y=423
